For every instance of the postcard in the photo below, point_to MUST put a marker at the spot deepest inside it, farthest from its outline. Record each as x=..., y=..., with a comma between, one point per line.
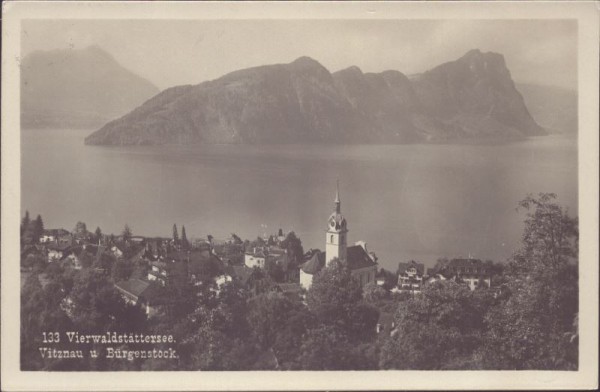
x=299, y=195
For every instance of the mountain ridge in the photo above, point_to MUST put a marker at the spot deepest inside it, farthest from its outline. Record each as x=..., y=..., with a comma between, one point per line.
x=473, y=97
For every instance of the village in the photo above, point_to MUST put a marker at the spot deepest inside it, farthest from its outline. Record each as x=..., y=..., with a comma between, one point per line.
x=144, y=270
x=269, y=304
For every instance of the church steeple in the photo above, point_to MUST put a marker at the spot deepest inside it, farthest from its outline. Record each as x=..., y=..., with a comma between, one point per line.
x=338, y=204
x=335, y=243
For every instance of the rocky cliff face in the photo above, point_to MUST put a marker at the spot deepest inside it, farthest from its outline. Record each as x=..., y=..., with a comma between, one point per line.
x=475, y=96
x=78, y=88
x=302, y=102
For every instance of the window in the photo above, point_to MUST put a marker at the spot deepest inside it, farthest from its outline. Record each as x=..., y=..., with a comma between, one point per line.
x=331, y=239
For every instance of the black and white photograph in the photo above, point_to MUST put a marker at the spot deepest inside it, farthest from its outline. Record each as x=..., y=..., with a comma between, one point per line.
x=214, y=192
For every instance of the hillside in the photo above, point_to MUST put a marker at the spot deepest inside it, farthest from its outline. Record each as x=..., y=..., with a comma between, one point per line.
x=78, y=88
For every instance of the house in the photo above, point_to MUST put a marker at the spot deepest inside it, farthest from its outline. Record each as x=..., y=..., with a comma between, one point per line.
x=168, y=272
x=135, y=253
x=411, y=276
x=223, y=279
x=117, y=250
x=56, y=251
x=241, y=273
x=310, y=267
x=52, y=235
x=147, y=295
x=362, y=264
x=434, y=277
x=185, y=266
x=473, y=272
x=76, y=256
x=256, y=258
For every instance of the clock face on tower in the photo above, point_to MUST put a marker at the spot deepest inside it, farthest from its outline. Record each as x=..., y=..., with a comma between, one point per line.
x=332, y=223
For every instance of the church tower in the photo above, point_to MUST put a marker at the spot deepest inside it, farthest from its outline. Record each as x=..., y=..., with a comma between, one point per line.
x=335, y=242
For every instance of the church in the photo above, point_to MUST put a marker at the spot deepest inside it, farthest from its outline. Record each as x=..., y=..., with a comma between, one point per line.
x=362, y=265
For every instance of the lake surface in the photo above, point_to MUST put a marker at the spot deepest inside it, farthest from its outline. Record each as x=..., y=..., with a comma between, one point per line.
x=417, y=202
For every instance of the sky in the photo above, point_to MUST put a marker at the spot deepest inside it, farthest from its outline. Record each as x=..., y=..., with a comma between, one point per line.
x=169, y=52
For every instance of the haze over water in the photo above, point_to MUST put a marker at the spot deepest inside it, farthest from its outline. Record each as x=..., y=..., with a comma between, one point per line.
x=407, y=202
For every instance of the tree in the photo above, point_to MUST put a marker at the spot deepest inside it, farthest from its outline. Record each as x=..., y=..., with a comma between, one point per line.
x=80, y=228
x=38, y=228
x=236, y=239
x=439, y=329
x=25, y=222
x=121, y=270
x=96, y=306
x=126, y=234
x=267, y=316
x=98, y=234
x=275, y=271
x=372, y=293
x=390, y=279
x=533, y=327
x=327, y=347
x=335, y=298
x=293, y=245
x=221, y=338
x=175, y=234
x=332, y=291
x=324, y=348
x=40, y=312
x=184, y=241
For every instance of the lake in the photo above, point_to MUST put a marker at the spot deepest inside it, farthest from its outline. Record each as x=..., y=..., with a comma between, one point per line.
x=407, y=202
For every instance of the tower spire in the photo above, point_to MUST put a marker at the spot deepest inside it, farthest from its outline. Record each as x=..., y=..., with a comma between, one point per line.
x=337, y=196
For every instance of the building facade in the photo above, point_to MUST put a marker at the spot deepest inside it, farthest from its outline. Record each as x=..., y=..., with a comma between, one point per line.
x=361, y=263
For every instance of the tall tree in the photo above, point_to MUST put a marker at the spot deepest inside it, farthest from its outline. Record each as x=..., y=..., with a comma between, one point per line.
x=236, y=239
x=336, y=298
x=293, y=245
x=80, y=228
x=534, y=326
x=38, y=227
x=98, y=234
x=126, y=234
x=175, y=234
x=184, y=241
x=441, y=328
x=25, y=222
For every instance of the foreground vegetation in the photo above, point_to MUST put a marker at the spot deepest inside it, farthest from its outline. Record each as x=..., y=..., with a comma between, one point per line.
x=529, y=321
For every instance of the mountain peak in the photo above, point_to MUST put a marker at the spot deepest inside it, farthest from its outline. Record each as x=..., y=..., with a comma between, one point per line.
x=60, y=88
x=306, y=61
x=352, y=70
x=476, y=56
x=473, y=53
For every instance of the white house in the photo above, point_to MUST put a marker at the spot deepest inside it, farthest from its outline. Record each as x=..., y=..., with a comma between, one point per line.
x=256, y=258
